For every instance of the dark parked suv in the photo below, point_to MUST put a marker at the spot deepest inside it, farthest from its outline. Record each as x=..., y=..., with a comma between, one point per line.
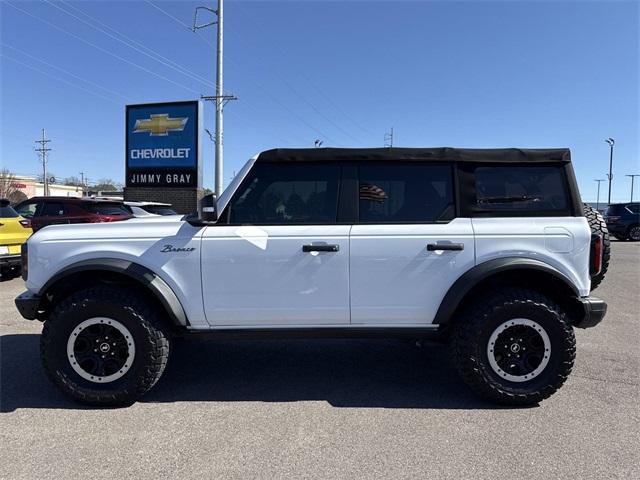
x=43, y=211
x=623, y=220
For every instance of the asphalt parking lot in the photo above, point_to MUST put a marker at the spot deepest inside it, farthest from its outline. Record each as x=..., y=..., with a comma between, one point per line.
x=330, y=409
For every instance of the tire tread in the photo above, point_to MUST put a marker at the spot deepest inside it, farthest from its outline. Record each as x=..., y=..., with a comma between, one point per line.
x=156, y=335
x=468, y=328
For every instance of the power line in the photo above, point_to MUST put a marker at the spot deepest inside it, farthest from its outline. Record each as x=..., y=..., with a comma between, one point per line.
x=298, y=117
x=64, y=71
x=301, y=97
x=131, y=43
x=80, y=87
x=176, y=19
x=219, y=98
x=302, y=74
x=260, y=86
x=102, y=49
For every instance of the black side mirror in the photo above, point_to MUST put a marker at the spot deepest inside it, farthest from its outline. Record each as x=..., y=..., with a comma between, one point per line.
x=208, y=209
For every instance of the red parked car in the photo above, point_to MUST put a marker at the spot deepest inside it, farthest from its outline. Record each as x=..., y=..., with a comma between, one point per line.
x=43, y=211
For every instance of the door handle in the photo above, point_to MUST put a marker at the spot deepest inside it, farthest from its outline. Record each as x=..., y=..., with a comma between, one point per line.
x=320, y=248
x=432, y=247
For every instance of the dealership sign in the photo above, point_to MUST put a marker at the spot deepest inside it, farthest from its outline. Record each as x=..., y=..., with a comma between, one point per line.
x=163, y=145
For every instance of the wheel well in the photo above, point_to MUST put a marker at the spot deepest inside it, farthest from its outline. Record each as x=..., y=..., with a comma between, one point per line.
x=541, y=281
x=84, y=279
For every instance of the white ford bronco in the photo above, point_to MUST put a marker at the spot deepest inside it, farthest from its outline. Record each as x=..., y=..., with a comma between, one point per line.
x=490, y=250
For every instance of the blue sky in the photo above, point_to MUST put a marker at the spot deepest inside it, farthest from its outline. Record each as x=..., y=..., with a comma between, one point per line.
x=467, y=74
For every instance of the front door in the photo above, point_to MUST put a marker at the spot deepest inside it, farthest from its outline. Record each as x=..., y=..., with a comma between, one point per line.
x=277, y=257
x=408, y=246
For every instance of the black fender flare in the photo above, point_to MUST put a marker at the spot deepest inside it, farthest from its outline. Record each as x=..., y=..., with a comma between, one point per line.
x=144, y=276
x=482, y=271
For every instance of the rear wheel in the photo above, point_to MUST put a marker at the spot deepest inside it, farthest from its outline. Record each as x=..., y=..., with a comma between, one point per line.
x=104, y=346
x=599, y=227
x=9, y=272
x=516, y=348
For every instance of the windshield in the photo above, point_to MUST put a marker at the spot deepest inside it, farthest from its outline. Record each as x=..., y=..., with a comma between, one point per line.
x=7, y=212
x=226, y=195
x=107, y=208
x=159, y=210
x=614, y=210
x=139, y=212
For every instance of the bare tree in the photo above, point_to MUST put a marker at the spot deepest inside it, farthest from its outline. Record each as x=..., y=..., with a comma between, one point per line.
x=75, y=181
x=8, y=184
x=105, y=185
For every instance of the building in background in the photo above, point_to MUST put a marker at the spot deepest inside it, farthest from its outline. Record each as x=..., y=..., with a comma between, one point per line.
x=31, y=187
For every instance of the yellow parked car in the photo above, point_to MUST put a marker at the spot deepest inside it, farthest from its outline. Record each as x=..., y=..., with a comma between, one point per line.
x=14, y=231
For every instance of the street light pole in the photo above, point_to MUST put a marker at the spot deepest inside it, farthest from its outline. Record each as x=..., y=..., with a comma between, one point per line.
x=632, y=177
x=611, y=143
x=598, y=197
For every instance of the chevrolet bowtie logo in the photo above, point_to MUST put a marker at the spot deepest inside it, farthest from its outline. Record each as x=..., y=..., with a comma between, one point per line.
x=160, y=125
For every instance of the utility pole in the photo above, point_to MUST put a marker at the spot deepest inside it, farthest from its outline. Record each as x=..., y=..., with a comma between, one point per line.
x=82, y=182
x=388, y=139
x=219, y=98
x=42, y=151
x=598, y=198
x=632, y=178
x=611, y=143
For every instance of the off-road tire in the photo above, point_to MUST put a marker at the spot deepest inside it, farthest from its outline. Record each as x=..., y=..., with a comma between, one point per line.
x=598, y=226
x=150, y=335
x=472, y=332
x=7, y=273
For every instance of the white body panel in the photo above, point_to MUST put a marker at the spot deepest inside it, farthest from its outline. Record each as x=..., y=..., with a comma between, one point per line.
x=57, y=247
x=255, y=276
x=561, y=242
x=259, y=276
x=395, y=280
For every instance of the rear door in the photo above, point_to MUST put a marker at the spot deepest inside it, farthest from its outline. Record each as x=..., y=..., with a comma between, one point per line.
x=408, y=247
x=278, y=256
x=52, y=213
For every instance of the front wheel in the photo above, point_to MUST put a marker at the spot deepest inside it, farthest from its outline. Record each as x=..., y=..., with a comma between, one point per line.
x=515, y=348
x=104, y=346
x=634, y=233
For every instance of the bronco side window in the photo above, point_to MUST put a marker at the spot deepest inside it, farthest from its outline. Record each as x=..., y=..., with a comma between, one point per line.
x=406, y=193
x=521, y=189
x=287, y=194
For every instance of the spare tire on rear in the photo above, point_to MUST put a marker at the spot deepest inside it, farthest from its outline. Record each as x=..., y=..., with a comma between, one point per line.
x=599, y=227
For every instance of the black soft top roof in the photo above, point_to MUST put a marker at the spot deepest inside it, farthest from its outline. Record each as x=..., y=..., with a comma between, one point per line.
x=480, y=155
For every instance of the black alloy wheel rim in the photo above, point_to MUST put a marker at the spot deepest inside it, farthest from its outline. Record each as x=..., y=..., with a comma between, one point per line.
x=101, y=350
x=519, y=350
